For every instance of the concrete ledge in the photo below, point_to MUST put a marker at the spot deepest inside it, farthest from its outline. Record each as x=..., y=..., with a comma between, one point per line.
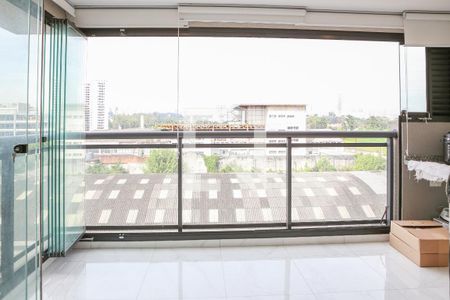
x=343, y=239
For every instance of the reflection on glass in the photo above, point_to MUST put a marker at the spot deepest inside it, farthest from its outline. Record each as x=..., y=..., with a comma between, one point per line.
x=254, y=85
x=19, y=115
x=234, y=185
x=413, y=79
x=74, y=155
x=131, y=187
x=338, y=184
x=62, y=124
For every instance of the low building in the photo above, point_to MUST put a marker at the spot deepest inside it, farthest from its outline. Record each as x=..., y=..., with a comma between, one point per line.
x=275, y=117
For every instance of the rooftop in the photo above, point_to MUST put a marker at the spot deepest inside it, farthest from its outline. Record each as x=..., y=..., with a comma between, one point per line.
x=149, y=199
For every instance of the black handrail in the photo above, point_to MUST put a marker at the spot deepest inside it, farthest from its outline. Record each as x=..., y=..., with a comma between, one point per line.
x=115, y=135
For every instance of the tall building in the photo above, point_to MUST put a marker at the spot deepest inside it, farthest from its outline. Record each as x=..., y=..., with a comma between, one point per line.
x=94, y=110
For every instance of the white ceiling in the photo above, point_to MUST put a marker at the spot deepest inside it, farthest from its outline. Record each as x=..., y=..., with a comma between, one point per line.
x=395, y=6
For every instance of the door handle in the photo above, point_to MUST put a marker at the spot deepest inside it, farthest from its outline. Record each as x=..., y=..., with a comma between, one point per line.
x=23, y=148
x=20, y=149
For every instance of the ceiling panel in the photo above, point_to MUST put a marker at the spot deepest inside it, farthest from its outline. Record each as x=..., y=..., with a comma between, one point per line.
x=352, y=5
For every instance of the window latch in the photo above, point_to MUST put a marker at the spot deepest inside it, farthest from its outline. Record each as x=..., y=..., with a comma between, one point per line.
x=20, y=149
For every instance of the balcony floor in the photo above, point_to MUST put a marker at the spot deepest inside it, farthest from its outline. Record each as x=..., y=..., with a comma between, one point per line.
x=335, y=271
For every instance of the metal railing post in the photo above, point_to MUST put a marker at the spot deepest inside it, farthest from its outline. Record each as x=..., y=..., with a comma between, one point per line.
x=289, y=183
x=180, y=184
x=390, y=180
x=7, y=214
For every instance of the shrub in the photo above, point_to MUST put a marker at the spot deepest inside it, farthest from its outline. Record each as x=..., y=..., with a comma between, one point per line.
x=365, y=162
x=161, y=161
x=99, y=168
x=118, y=169
x=323, y=164
x=231, y=169
x=212, y=163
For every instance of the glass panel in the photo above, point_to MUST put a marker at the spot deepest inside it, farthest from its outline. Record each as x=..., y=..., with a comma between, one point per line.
x=53, y=104
x=234, y=185
x=19, y=124
x=138, y=92
x=225, y=84
x=74, y=155
x=259, y=85
x=131, y=187
x=33, y=156
x=45, y=153
x=413, y=79
x=63, y=122
x=232, y=80
x=338, y=184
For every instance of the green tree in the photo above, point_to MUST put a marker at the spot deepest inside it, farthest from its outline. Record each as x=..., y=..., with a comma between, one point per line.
x=323, y=164
x=350, y=123
x=376, y=123
x=316, y=122
x=161, y=161
x=369, y=162
x=212, y=163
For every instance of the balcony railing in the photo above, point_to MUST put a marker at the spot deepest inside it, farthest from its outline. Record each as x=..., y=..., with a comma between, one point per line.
x=293, y=180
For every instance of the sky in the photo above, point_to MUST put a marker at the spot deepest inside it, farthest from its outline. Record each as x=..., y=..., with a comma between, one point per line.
x=346, y=77
x=13, y=67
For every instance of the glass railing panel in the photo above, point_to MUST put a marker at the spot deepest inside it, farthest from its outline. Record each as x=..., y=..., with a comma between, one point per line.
x=338, y=184
x=131, y=187
x=229, y=181
x=233, y=185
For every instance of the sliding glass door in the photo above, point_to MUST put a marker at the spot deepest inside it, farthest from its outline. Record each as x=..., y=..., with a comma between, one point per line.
x=62, y=124
x=20, y=53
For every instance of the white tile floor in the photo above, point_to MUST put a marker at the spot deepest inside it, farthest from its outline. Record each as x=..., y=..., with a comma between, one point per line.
x=336, y=271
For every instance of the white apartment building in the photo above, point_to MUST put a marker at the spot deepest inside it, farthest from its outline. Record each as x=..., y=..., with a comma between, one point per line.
x=276, y=117
x=94, y=111
x=14, y=118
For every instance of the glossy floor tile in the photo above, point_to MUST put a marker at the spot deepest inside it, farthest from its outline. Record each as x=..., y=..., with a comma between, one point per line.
x=336, y=271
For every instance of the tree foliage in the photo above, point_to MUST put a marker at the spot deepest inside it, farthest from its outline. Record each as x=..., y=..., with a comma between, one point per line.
x=376, y=123
x=231, y=168
x=369, y=162
x=99, y=168
x=161, y=161
x=212, y=163
x=117, y=169
x=349, y=122
x=316, y=122
x=323, y=164
x=129, y=121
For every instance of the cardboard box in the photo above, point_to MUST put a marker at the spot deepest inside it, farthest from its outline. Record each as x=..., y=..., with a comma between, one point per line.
x=426, y=243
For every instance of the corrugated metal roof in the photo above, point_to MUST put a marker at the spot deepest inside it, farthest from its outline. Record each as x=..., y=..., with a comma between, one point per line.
x=230, y=198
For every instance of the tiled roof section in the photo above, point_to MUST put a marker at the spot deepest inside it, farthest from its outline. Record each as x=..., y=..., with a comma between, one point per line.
x=150, y=199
